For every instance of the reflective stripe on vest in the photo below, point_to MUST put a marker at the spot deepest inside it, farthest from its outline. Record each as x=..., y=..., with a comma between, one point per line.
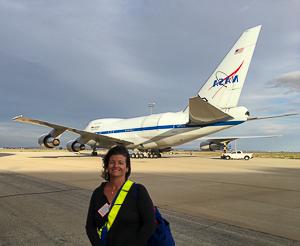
x=116, y=207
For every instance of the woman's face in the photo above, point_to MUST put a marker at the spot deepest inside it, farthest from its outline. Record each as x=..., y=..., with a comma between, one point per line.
x=117, y=166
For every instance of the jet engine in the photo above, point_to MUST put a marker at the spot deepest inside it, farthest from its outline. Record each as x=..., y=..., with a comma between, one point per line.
x=211, y=146
x=47, y=141
x=75, y=146
x=168, y=149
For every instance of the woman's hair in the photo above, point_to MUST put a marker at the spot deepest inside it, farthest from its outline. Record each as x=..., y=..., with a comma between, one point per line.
x=116, y=150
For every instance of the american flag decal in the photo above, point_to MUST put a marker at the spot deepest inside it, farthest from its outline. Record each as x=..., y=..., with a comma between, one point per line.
x=238, y=51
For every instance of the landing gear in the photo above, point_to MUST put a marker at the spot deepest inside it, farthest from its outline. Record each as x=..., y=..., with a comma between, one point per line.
x=94, y=152
x=148, y=154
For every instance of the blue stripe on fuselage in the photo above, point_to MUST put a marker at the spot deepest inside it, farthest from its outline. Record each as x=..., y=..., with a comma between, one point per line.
x=149, y=128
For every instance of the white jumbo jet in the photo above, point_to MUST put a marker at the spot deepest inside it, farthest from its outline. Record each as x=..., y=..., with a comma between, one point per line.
x=214, y=108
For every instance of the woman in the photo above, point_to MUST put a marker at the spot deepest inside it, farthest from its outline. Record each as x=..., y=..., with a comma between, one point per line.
x=135, y=222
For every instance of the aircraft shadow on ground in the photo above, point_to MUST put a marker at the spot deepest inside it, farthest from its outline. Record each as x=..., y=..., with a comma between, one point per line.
x=5, y=154
x=218, y=158
x=101, y=156
x=68, y=156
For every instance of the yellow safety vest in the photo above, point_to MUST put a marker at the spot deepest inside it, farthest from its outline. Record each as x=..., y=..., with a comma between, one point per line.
x=116, y=207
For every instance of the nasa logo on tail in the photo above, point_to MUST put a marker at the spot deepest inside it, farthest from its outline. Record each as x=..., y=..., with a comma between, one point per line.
x=228, y=79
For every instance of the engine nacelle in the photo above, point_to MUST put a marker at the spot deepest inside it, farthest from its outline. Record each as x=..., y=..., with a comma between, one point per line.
x=211, y=147
x=165, y=149
x=47, y=141
x=75, y=146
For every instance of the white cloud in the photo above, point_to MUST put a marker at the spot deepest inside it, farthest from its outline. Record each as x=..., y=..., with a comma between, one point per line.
x=290, y=80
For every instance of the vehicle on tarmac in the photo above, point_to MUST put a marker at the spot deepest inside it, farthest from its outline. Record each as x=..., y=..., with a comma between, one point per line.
x=237, y=155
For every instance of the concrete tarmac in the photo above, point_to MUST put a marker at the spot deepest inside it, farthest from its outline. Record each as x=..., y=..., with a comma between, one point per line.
x=44, y=198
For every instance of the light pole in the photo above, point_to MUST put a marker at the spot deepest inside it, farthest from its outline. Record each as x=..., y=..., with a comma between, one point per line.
x=151, y=106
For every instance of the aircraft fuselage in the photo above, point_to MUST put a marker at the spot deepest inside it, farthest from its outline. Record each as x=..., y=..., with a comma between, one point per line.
x=160, y=131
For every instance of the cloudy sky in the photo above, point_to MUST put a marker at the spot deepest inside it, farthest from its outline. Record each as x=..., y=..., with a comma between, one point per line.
x=69, y=62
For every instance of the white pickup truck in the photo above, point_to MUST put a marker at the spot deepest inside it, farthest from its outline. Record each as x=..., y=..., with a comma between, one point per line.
x=237, y=155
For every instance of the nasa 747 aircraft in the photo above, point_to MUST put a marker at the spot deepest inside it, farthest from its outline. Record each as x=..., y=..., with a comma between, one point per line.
x=214, y=108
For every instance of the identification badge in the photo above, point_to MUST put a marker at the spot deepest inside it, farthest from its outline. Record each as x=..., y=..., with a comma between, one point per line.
x=104, y=209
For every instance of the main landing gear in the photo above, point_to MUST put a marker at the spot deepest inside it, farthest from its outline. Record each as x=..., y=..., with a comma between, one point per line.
x=141, y=155
x=94, y=152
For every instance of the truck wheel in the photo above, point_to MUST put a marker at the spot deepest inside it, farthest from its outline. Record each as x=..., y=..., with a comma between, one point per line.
x=246, y=158
x=227, y=157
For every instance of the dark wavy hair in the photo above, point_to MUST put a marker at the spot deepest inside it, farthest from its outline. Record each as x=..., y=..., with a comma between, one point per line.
x=116, y=150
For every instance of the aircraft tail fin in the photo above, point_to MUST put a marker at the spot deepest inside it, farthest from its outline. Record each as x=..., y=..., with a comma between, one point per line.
x=224, y=86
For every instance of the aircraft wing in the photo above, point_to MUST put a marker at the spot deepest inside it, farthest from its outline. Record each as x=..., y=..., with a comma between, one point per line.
x=226, y=140
x=270, y=117
x=218, y=143
x=202, y=112
x=102, y=140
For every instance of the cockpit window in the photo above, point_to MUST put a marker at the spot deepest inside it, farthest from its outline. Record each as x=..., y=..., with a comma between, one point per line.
x=247, y=113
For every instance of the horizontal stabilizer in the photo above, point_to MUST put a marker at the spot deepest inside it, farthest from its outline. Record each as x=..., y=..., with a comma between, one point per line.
x=232, y=138
x=202, y=112
x=220, y=143
x=271, y=117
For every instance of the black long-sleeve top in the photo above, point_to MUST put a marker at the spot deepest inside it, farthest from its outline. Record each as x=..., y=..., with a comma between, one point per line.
x=134, y=223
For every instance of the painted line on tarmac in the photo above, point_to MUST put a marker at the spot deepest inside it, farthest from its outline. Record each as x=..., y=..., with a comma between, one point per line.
x=40, y=193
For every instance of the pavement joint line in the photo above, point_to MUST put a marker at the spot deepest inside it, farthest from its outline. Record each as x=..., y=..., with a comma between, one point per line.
x=188, y=215
x=39, y=179
x=39, y=193
x=191, y=221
